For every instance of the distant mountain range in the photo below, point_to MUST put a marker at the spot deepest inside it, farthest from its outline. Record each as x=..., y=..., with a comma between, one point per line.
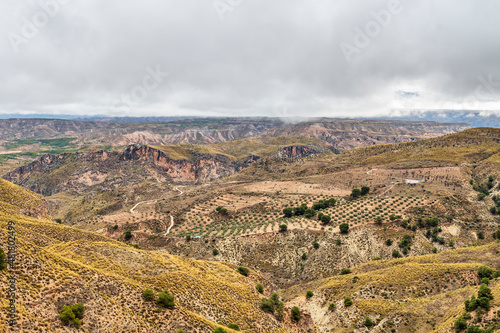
x=472, y=117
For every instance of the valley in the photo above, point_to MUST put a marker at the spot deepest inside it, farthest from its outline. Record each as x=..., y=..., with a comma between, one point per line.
x=399, y=228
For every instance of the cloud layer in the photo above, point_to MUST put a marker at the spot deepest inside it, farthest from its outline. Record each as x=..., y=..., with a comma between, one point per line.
x=242, y=57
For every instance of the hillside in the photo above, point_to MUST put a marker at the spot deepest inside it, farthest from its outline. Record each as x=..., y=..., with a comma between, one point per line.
x=60, y=265
x=419, y=294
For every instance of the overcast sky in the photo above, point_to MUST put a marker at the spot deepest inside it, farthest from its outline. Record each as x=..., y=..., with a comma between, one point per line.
x=248, y=57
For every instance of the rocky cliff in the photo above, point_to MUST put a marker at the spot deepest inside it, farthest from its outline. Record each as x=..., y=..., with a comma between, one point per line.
x=102, y=170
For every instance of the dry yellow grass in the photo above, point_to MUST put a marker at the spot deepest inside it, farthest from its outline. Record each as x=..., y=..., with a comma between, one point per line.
x=59, y=264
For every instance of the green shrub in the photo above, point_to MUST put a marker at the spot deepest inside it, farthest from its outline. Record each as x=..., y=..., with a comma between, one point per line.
x=484, y=272
x=215, y=252
x=484, y=291
x=368, y=322
x=485, y=281
x=396, y=254
x=221, y=210
x=316, y=245
x=3, y=263
x=275, y=298
x=166, y=300
x=148, y=295
x=344, y=228
x=356, y=192
x=267, y=305
x=233, y=327
x=296, y=315
x=309, y=213
x=331, y=307
x=345, y=271
x=388, y=242
x=243, y=270
x=259, y=287
x=460, y=324
x=304, y=256
x=309, y=294
x=283, y=227
x=220, y=330
x=288, y=212
x=338, y=241
x=127, y=235
x=71, y=314
x=325, y=219
x=347, y=301
x=365, y=190
x=280, y=311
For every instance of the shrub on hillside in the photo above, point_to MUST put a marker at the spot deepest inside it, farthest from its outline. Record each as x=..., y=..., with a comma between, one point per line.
x=344, y=228
x=71, y=314
x=220, y=330
x=347, y=301
x=259, y=287
x=221, y=210
x=356, y=192
x=396, y=254
x=325, y=219
x=166, y=300
x=127, y=235
x=484, y=272
x=3, y=263
x=233, y=327
x=365, y=190
x=309, y=213
x=148, y=295
x=368, y=322
x=295, y=312
x=267, y=305
x=243, y=270
x=288, y=212
x=275, y=298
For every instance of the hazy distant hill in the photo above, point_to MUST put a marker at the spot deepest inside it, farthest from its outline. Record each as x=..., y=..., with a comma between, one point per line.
x=473, y=118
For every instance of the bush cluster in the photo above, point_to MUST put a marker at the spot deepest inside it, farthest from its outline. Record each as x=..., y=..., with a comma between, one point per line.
x=72, y=314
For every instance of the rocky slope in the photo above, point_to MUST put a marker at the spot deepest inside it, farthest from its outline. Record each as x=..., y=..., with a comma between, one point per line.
x=102, y=170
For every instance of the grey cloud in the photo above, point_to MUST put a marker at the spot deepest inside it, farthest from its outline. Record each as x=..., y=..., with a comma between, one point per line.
x=277, y=58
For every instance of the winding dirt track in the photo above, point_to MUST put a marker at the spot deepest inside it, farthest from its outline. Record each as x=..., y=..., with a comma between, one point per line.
x=155, y=200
